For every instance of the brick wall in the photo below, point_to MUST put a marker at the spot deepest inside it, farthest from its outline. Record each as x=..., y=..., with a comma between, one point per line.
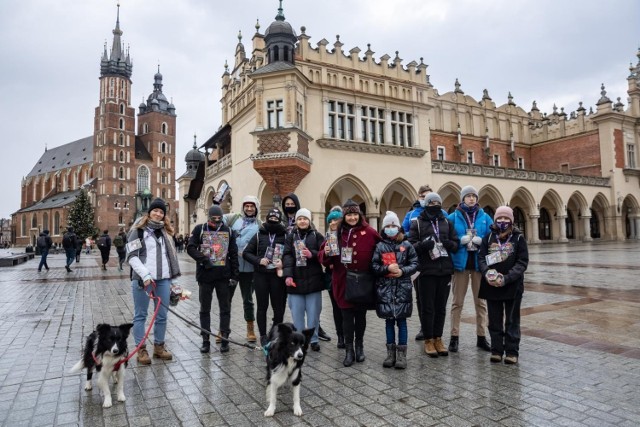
x=273, y=142
x=581, y=152
x=618, y=146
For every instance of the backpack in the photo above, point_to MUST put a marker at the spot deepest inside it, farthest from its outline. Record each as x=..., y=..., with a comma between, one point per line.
x=102, y=241
x=41, y=242
x=68, y=241
x=118, y=241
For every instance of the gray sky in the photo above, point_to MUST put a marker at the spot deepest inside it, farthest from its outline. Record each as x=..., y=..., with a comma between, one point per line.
x=545, y=50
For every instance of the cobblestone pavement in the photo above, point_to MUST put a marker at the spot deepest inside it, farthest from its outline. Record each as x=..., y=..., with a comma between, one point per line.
x=579, y=364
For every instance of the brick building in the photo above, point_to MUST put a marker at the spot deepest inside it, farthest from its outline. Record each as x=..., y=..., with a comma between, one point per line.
x=331, y=124
x=121, y=166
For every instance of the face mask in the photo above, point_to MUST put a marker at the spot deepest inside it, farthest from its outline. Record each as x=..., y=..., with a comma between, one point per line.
x=423, y=202
x=290, y=209
x=433, y=210
x=503, y=226
x=391, y=231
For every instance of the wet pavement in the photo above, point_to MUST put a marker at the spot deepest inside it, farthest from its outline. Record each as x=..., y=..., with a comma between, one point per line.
x=579, y=357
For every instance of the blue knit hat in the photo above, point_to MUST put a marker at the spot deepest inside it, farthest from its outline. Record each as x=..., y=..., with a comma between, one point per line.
x=333, y=215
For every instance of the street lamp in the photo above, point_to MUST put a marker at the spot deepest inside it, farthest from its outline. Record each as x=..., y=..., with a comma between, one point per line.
x=194, y=217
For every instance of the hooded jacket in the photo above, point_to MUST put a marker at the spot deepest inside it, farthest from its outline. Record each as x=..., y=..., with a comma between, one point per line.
x=308, y=278
x=481, y=225
x=244, y=228
x=394, y=294
x=423, y=238
x=290, y=223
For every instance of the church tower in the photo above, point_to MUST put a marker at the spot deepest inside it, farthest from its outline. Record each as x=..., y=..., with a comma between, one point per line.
x=114, y=137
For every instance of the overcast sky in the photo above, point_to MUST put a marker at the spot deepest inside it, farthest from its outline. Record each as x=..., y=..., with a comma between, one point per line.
x=545, y=50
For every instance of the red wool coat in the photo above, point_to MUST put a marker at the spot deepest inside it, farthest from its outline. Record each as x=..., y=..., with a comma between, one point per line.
x=363, y=240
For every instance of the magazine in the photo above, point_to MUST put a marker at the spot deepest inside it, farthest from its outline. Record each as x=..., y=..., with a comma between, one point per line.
x=215, y=245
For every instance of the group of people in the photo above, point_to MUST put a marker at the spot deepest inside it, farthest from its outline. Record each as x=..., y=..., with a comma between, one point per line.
x=286, y=261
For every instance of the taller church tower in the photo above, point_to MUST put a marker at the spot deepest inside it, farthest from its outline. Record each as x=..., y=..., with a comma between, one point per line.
x=114, y=136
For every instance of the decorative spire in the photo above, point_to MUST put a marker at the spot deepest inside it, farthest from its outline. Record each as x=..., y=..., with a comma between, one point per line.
x=485, y=95
x=510, y=98
x=555, y=109
x=257, y=25
x=226, y=67
x=239, y=36
x=580, y=107
x=195, y=146
x=280, y=15
x=457, y=85
x=118, y=62
x=603, y=96
x=534, y=107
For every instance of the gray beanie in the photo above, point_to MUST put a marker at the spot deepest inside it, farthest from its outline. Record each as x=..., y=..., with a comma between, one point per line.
x=390, y=219
x=468, y=190
x=432, y=197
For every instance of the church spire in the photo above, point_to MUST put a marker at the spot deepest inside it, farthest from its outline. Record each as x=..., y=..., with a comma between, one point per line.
x=118, y=62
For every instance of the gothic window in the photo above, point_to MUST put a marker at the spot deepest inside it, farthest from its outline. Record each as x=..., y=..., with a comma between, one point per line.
x=34, y=221
x=120, y=219
x=164, y=194
x=126, y=205
x=116, y=205
x=163, y=147
x=164, y=129
x=56, y=224
x=121, y=155
x=163, y=163
x=164, y=178
x=24, y=225
x=121, y=192
x=121, y=140
x=121, y=123
x=121, y=172
x=145, y=128
x=121, y=108
x=143, y=178
x=112, y=84
x=100, y=175
x=45, y=221
x=275, y=114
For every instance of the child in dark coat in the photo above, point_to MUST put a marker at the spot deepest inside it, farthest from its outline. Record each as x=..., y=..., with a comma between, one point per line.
x=394, y=261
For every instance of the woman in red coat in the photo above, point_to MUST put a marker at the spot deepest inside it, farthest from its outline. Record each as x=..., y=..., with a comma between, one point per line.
x=357, y=241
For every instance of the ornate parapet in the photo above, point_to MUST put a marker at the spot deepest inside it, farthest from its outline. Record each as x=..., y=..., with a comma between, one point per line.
x=219, y=167
x=363, y=147
x=518, y=174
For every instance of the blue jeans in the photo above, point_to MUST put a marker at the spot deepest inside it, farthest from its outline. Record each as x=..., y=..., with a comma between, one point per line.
x=311, y=304
x=43, y=259
x=391, y=331
x=71, y=256
x=141, y=308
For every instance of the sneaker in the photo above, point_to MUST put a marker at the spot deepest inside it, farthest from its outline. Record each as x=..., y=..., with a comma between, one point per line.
x=315, y=346
x=496, y=358
x=511, y=360
x=323, y=335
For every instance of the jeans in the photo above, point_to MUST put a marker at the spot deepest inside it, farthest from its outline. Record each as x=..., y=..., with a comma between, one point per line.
x=121, y=258
x=205, y=294
x=141, y=307
x=268, y=286
x=390, y=326
x=434, y=293
x=246, y=289
x=505, y=339
x=71, y=256
x=311, y=304
x=43, y=259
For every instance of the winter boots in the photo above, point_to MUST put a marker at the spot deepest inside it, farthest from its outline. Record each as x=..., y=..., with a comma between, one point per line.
x=206, y=346
x=430, y=348
x=440, y=348
x=350, y=356
x=340, y=341
x=251, y=335
x=401, y=358
x=453, y=344
x=143, y=356
x=483, y=343
x=224, y=347
x=359, y=352
x=390, y=361
x=160, y=352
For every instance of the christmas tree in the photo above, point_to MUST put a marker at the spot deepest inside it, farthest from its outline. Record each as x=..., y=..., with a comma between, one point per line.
x=81, y=216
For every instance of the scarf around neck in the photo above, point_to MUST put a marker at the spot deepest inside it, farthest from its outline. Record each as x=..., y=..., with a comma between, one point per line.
x=174, y=267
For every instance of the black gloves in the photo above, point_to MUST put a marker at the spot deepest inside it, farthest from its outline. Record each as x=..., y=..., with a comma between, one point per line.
x=428, y=244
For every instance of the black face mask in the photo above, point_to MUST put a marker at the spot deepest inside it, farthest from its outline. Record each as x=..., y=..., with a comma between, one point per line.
x=272, y=226
x=433, y=210
x=290, y=209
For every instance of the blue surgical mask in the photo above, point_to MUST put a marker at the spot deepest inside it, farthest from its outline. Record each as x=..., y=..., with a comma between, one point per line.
x=423, y=202
x=391, y=231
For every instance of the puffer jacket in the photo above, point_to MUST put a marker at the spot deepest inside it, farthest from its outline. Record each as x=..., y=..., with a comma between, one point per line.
x=309, y=278
x=423, y=238
x=258, y=244
x=512, y=268
x=481, y=225
x=395, y=294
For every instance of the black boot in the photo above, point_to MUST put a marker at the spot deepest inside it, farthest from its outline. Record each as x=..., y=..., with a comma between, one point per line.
x=420, y=336
x=206, y=346
x=224, y=347
x=483, y=343
x=349, y=357
x=359, y=352
x=340, y=341
x=453, y=344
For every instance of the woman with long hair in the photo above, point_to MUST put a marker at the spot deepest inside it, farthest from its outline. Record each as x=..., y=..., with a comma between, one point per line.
x=152, y=256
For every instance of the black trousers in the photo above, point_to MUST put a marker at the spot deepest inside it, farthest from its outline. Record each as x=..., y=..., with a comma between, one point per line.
x=504, y=326
x=337, y=314
x=104, y=253
x=246, y=289
x=205, y=293
x=416, y=287
x=434, y=294
x=268, y=286
x=354, y=323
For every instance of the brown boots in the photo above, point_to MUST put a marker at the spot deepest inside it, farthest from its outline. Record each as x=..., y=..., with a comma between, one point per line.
x=251, y=335
x=434, y=347
x=160, y=352
x=143, y=356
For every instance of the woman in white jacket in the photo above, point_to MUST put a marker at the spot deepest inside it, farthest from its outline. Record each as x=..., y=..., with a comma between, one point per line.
x=152, y=256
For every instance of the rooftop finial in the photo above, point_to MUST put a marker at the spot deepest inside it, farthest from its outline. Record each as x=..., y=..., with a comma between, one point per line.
x=457, y=85
x=195, y=146
x=603, y=96
x=280, y=15
x=239, y=36
x=257, y=25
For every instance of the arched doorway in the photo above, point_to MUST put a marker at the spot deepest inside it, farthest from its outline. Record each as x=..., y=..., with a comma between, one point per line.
x=544, y=225
x=489, y=211
x=594, y=223
x=519, y=220
x=570, y=226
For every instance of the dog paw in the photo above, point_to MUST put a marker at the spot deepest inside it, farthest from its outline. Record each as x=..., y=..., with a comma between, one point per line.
x=297, y=411
x=107, y=403
x=270, y=411
x=122, y=398
x=88, y=386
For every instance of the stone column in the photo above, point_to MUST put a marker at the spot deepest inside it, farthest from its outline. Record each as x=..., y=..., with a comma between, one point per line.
x=534, y=237
x=586, y=224
x=633, y=230
x=325, y=116
x=562, y=238
x=373, y=220
x=357, y=126
x=636, y=221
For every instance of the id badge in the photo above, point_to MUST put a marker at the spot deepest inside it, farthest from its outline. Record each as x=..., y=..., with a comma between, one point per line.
x=493, y=258
x=268, y=254
x=435, y=252
x=471, y=232
x=347, y=255
x=134, y=246
x=442, y=250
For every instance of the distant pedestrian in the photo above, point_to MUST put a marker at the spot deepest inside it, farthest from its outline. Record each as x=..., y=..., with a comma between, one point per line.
x=79, y=242
x=120, y=244
x=87, y=243
x=69, y=245
x=44, y=243
x=503, y=259
x=104, y=244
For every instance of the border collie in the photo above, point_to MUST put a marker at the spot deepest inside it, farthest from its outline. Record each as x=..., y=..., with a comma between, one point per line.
x=287, y=350
x=105, y=350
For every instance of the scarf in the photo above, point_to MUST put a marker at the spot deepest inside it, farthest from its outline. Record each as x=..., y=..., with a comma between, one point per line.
x=174, y=267
x=469, y=210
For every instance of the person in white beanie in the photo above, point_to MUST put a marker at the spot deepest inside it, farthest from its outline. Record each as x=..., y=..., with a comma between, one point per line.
x=245, y=225
x=394, y=261
x=471, y=224
x=303, y=274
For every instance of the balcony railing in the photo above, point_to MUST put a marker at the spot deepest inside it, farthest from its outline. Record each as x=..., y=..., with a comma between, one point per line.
x=220, y=166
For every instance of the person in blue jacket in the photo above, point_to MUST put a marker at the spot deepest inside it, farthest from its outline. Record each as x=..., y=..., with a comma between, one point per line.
x=471, y=225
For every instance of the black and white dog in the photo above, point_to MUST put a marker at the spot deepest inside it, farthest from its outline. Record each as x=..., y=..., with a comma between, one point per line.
x=106, y=350
x=287, y=349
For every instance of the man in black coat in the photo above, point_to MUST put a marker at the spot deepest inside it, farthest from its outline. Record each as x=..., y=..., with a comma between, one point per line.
x=44, y=243
x=213, y=246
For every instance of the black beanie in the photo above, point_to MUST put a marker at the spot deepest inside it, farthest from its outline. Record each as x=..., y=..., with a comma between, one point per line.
x=274, y=213
x=158, y=204
x=215, y=210
x=350, y=207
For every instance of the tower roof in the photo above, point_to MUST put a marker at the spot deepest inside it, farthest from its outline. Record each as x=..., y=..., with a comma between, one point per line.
x=157, y=101
x=280, y=26
x=118, y=61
